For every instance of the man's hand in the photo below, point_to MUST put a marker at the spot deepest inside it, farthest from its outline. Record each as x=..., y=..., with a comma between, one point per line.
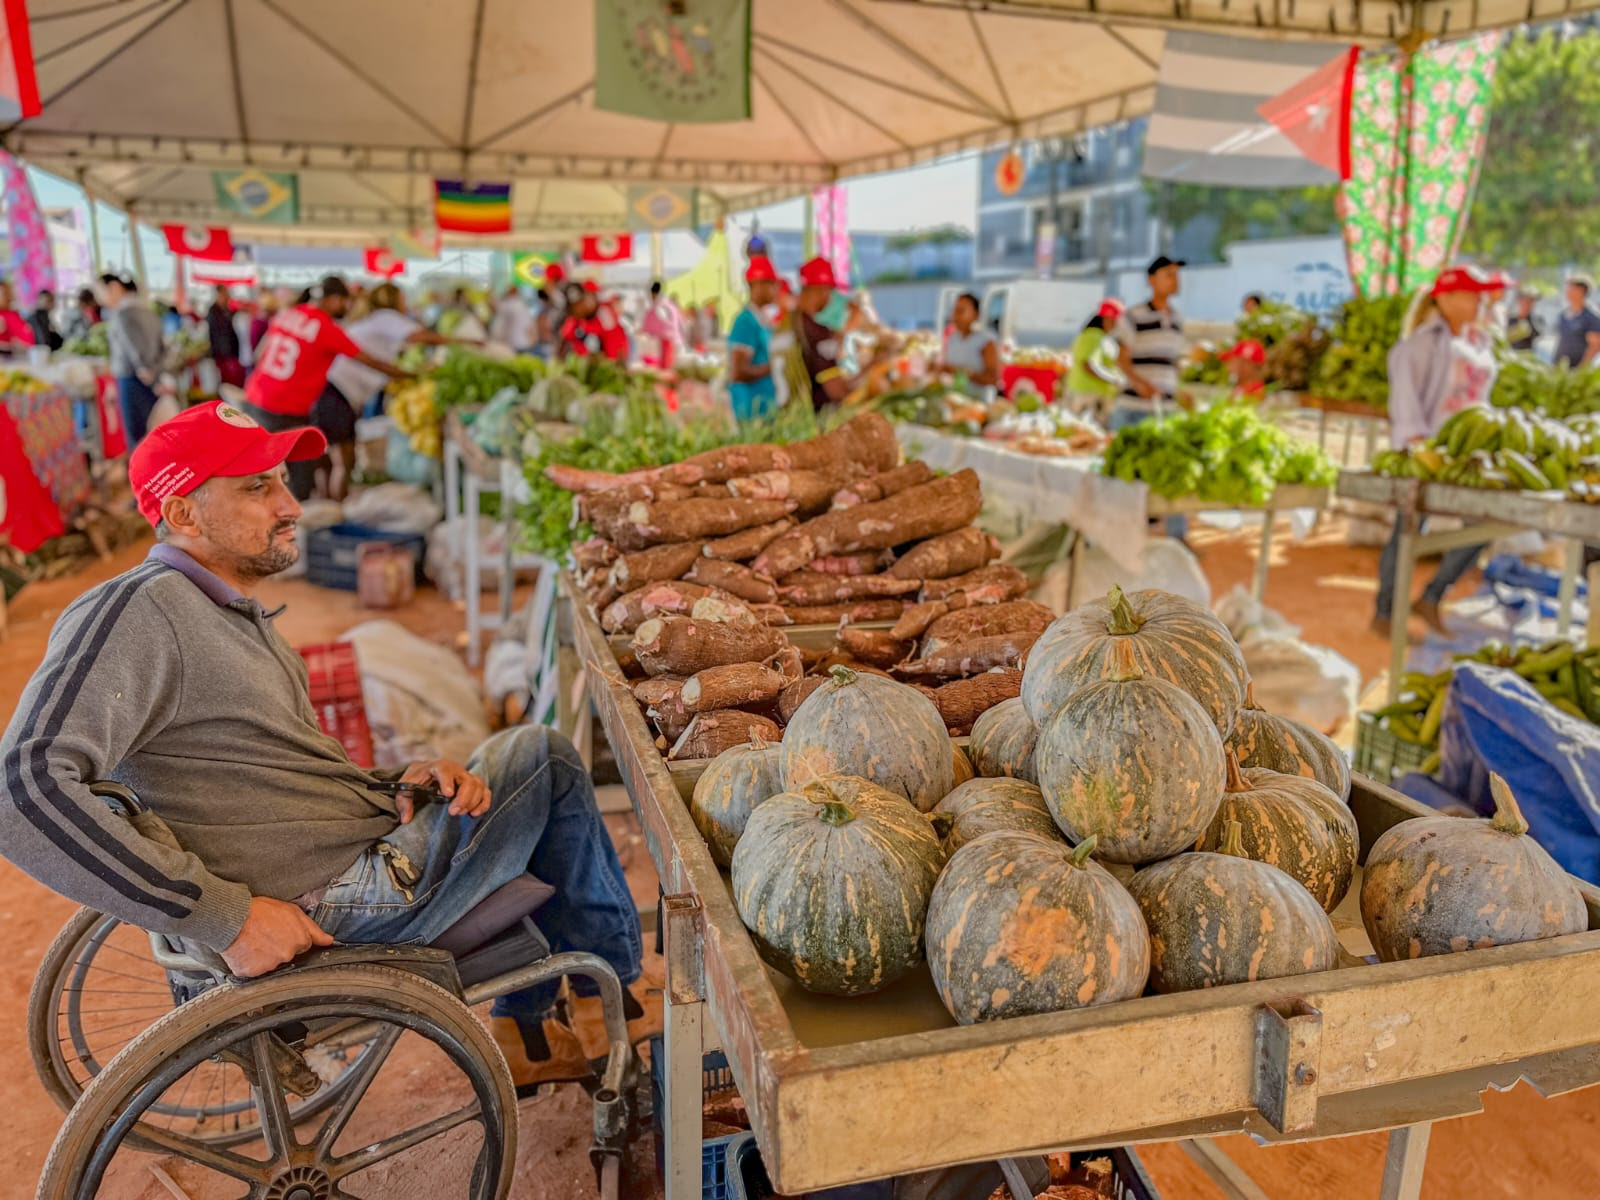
x=1142, y=386
x=274, y=932
x=469, y=795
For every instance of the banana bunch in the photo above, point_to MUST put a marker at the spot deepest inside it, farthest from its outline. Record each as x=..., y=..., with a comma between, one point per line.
x=1498, y=448
x=415, y=412
x=1585, y=482
x=1559, y=671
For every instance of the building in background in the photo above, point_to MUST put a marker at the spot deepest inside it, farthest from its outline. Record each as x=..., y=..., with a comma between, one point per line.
x=914, y=256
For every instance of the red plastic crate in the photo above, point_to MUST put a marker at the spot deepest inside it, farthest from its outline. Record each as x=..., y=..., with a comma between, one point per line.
x=334, y=678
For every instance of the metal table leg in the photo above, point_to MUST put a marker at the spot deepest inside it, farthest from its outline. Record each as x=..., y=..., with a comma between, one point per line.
x=684, y=1045
x=1322, y=429
x=1405, y=1162
x=452, y=511
x=1593, y=637
x=508, y=529
x=1263, y=557
x=1400, y=612
x=1231, y=1181
x=474, y=582
x=1568, y=591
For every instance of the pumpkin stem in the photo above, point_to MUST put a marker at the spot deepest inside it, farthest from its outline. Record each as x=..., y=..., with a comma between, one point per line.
x=1123, y=619
x=1233, y=840
x=836, y=813
x=1236, y=779
x=1250, y=695
x=1081, y=852
x=843, y=676
x=1124, y=666
x=1508, y=816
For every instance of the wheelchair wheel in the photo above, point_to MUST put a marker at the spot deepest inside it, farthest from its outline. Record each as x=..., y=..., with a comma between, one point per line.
x=98, y=988
x=446, y=1074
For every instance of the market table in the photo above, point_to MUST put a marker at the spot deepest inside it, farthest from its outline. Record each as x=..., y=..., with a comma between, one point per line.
x=1113, y=514
x=1369, y=417
x=1365, y=1047
x=1495, y=513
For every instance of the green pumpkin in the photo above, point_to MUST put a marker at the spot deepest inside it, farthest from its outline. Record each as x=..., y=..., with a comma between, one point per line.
x=874, y=728
x=1002, y=741
x=1132, y=761
x=1216, y=919
x=1289, y=747
x=1173, y=638
x=733, y=783
x=832, y=880
x=986, y=805
x=1021, y=924
x=1293, y=823
x=1441, y=885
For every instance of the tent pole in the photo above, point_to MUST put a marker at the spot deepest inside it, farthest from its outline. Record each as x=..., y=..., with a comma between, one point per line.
x=808, y=245
x=136, y=251
x=656, y=255
x=97, y=262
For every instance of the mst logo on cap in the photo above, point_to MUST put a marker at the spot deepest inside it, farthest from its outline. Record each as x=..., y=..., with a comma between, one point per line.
x=239, y=420
x=208, y=441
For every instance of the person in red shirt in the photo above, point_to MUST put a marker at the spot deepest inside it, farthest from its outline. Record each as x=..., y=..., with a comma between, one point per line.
x=290, y=379
x=592, y=325
x=1247, y=369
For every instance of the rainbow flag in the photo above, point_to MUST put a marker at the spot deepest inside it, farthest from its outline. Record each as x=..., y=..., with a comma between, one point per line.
x=461, y=207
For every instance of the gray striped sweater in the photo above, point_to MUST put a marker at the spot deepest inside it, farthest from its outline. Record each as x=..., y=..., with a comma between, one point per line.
x=168, y=681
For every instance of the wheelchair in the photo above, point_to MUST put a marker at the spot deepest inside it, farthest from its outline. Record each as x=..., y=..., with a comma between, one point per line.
x=154, y=1047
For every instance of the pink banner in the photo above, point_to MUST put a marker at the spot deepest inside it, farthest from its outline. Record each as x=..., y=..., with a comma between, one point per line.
x=32, y=267
x=833, y=229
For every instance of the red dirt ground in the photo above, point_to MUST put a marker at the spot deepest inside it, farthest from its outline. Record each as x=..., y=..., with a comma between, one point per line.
x=1522, y=1147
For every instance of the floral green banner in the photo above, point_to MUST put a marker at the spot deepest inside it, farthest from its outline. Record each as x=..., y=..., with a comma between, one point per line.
x=1400, y=228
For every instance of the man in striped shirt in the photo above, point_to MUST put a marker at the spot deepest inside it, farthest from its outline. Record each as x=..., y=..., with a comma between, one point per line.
x=1150, y=336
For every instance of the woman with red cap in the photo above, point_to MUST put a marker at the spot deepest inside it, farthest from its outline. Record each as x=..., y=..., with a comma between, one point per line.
x=1247, y=369
x=592, y=325
x=1443, y=365
x=751, y=389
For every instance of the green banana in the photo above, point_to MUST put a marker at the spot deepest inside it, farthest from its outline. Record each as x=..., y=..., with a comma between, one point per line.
x=1522, y=470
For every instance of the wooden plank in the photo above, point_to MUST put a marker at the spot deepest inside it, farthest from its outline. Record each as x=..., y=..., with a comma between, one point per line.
x=1546, y=512
x=1289, y=496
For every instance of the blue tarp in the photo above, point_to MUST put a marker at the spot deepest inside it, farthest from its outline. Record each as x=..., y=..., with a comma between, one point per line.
x=1495, y=721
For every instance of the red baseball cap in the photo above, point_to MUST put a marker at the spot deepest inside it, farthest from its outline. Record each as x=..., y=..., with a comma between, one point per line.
x=591, y=287
x=818, y=273
x=554, y=273
x=1249, y=350
x=206, y=441
x=1465, y=279
x=760, y=270
x=1110, y=309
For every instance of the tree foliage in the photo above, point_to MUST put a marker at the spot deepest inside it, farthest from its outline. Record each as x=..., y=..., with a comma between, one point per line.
x=1538, y=198
x=1243, y=213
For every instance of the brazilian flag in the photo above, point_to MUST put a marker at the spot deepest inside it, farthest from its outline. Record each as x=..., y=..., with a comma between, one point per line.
x=265, y=197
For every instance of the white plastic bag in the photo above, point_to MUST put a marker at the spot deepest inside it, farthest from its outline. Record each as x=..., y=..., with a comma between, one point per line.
x=421, y=703
x=445, y=560
x=394, y=508
x=1167, y=564
x=1292, y=678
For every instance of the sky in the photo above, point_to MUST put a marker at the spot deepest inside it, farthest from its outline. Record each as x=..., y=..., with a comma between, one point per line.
x=941, y=193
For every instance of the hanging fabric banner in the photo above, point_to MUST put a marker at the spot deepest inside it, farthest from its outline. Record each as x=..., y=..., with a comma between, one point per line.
x=528, y=267
x=415, y=243
x=660, y=207
x=1403, y=219
x=32, y=268
x=19, y=85
x=265, y=197
x=833, y=229
x=461, y=207
x=684, y=62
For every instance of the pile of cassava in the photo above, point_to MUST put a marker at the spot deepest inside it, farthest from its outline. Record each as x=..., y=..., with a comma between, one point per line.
x=705, y=561
x=1134, y=822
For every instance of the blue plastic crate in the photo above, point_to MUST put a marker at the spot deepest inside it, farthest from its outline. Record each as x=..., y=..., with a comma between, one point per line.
x=333, y=553
x=717, y=1155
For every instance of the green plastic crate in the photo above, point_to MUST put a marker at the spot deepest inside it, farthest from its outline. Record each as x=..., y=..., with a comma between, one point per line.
x=1382, y=755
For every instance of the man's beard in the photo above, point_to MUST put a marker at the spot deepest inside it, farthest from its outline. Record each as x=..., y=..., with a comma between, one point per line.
x=275, y=558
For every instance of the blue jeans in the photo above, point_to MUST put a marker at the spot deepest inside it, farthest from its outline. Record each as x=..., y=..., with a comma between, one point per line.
x=1123, y=415
x=543, y=821
x=136, y=400
x=1453, y=564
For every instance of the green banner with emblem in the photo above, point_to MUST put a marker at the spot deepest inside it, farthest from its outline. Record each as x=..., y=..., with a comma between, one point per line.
x=683, y=62
x=265, y=197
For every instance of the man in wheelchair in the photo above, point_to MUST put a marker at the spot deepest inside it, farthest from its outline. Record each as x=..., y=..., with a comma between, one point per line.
x=173, y=680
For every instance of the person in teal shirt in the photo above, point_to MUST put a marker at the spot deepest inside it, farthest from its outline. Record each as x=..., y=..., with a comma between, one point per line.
x=750, y=385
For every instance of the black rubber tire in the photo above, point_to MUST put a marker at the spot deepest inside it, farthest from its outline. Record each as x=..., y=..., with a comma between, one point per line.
x=63, y=1087
x=318, y=992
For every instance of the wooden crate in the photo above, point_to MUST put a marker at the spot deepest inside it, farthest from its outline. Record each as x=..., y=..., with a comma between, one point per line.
x=1361, y=1048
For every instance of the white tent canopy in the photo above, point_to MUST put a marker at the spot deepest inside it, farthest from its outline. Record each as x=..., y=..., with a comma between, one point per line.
x=369, y=100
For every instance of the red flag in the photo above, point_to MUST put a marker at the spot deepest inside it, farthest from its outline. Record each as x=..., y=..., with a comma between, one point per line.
x=19, y=86
x=208, y=243
x=380, y=260
x=1314, y=114
x=113, y=438
x=606, y=247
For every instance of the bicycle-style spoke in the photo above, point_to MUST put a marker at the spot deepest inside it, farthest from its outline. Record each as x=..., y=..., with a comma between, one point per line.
x=276, y=1126
x=223, y=1162
x=369, y=1155
x=177, y=1105
x=362, y=1075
